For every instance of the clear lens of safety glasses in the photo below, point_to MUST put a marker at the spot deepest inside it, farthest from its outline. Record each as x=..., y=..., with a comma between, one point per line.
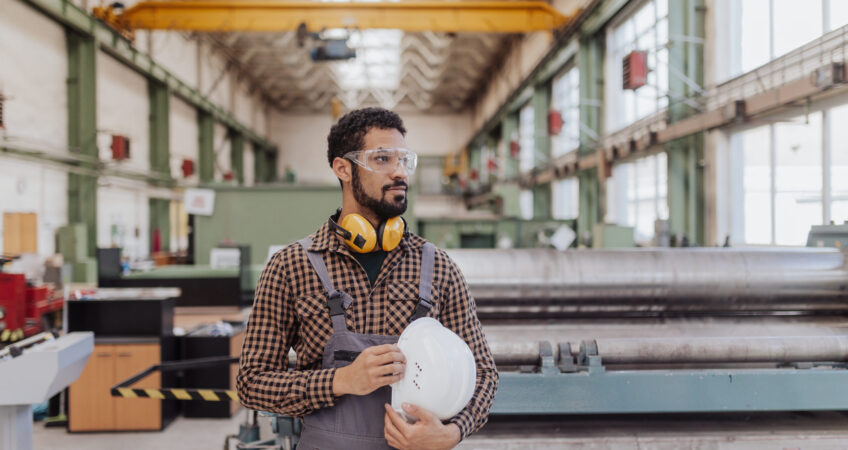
x=384, y=159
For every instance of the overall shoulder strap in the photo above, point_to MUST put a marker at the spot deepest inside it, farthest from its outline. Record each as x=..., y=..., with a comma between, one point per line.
x=425, y=285
x=337, y=301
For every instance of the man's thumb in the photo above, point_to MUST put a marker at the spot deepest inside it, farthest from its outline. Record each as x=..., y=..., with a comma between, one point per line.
x=418, y=412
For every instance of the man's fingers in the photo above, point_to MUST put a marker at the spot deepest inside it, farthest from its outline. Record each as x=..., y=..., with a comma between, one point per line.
x=390, y=357
x=380, y=349
x=422, y=414
x=391, y=369
x=397, y=421
x=393, y=435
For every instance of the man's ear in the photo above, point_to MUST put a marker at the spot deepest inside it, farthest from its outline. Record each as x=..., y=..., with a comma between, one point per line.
x=343, y=170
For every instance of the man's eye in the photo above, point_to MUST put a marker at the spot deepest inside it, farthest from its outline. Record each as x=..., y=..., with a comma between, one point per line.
x=382, y=159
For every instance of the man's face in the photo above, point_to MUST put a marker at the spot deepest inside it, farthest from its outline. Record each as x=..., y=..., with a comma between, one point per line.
x=382, y=193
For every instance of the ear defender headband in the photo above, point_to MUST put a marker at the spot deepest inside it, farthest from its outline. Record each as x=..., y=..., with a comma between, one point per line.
x=361, y=236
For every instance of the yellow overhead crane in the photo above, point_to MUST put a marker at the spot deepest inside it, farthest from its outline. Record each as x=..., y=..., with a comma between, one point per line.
x=283, y=15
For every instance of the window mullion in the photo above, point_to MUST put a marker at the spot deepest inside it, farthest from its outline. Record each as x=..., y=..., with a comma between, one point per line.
x=826, y=163
x=773, y=181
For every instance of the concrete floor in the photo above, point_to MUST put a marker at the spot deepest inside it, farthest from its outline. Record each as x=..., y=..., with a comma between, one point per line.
x=817, y=431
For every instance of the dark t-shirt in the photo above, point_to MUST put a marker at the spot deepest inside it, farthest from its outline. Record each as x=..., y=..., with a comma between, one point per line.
x=371, y=262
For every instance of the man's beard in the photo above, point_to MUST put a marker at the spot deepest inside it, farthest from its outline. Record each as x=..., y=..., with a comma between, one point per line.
x=382, y=208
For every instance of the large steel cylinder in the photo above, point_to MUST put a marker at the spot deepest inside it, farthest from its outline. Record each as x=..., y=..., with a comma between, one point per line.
x=655, y=278
x=758, y=349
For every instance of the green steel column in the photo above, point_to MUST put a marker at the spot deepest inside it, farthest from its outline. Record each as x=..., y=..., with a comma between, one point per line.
x=686, y=203
x=509, y=133
x=82, y=132
x=271, y=171
x=259, y=164
x=542, y=201
x=205, y=144
x=541, y=139
x=589, y=202
x=542, y=148
x=237, y=155
x=160, y=219
x=590, y=65
x=160, y=128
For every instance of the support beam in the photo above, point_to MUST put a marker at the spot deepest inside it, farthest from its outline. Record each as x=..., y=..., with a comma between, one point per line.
x=82, y=133
x=589, y=202
x=160, y=128
x=160, y=224
x=686, y=204
x=686, y=200
x=205, y=145
x=509, y=134
x=591, y=67
x=542, y=201
x=237, y=156
x=410, y=16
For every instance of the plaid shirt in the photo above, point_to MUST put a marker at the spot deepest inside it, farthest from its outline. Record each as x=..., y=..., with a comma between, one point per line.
x=290, y=310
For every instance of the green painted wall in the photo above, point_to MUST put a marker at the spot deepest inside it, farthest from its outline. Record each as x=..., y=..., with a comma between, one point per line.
x=268, y=215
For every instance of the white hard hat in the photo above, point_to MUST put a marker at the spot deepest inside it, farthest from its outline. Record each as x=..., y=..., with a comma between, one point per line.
x=440, y=370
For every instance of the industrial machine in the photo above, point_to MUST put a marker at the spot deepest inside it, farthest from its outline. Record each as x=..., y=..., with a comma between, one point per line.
x=32, y=371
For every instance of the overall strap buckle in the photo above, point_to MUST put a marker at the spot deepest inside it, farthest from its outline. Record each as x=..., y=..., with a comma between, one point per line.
x=335, y=303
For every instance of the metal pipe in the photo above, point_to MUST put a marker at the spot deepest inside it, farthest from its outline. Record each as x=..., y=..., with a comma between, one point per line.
x=657, y=277
x=515, y=353
x=785, y=349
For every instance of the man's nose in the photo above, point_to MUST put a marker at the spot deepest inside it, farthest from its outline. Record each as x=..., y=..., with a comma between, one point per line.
x=400, y=171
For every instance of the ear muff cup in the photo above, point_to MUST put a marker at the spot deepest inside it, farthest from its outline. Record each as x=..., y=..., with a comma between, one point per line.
x=361, y=236
x=391, y=233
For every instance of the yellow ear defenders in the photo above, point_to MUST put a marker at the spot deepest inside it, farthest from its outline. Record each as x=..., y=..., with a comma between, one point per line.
x=361, y=236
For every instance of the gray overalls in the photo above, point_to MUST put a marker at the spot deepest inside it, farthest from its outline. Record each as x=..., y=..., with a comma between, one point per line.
x=355, y=422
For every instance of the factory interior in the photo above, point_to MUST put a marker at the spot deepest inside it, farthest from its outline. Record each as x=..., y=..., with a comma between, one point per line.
x=647, y=200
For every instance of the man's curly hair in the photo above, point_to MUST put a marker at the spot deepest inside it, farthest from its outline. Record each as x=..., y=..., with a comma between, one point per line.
x=348, y=134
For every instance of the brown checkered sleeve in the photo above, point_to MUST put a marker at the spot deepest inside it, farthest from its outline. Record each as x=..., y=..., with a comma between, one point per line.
x=459, y=313
x=263, y=380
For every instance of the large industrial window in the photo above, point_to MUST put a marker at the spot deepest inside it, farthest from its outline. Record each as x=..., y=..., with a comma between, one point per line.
x=762, y=30
x=646, y=29
x=637, y=194
x=794, y=175
x=566, y=100
x=564, y=198
x=837, y=154
x=526, y=125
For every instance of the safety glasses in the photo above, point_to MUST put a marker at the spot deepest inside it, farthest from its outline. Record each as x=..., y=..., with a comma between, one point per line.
x=384, y=160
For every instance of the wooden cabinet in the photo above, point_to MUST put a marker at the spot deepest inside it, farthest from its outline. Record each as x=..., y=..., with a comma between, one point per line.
x=20, y=233
x=91, y=406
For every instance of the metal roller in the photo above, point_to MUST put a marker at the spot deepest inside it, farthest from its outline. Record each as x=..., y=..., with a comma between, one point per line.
x=784, y=349
x=656, y=280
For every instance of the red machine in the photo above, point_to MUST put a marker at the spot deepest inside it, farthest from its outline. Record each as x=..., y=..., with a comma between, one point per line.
x=24, y=310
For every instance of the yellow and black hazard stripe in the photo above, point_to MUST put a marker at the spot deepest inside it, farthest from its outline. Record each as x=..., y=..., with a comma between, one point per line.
x=208, y=395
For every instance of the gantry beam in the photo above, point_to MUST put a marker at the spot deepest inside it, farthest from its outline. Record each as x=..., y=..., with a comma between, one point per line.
x=268, y=15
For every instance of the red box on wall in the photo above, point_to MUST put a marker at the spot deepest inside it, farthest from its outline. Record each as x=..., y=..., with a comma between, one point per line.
x=634, y=70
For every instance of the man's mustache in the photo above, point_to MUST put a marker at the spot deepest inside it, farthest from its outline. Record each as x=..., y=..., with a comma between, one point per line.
x=397, y=184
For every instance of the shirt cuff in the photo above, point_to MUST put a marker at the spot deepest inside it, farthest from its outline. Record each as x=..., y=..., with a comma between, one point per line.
x=319, y=385
x=463, y=422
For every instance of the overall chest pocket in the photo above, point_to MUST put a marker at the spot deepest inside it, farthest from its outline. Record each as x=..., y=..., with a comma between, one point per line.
x=402, y=296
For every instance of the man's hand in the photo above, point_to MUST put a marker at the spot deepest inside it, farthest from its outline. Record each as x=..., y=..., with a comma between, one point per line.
x=374, y=368
x=428, y=433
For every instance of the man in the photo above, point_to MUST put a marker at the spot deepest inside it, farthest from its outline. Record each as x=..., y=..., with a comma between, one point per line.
x=341, y=298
